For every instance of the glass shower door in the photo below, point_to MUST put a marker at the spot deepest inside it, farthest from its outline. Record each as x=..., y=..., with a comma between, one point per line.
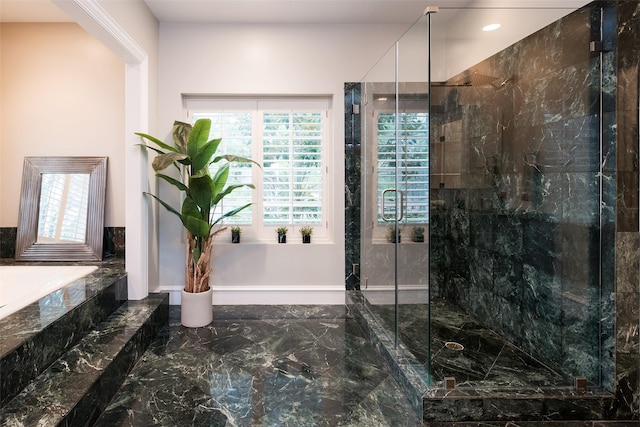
x=394, y=246
x=491, y=146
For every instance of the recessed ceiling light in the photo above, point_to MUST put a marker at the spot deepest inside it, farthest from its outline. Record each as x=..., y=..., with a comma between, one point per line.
x=490, y=27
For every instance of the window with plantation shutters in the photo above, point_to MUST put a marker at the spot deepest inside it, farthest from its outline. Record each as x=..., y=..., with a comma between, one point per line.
x=292, y=162
x=411, y=156
x=236, y=130
x=288, y=137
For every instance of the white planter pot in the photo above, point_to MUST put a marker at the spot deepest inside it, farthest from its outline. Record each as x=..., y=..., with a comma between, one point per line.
x=197, y=309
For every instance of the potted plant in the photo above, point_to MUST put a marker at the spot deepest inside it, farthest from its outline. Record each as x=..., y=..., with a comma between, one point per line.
x=306, y=232
x=393, y=234
x=192, y=154
x=235, y=234
x=282, y=234
x=418, y=233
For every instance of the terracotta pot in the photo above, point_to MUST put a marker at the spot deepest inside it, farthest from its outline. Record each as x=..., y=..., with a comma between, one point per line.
x=197, y=309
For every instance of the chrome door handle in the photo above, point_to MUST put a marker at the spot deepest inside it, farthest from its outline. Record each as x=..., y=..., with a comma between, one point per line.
x=399, y=218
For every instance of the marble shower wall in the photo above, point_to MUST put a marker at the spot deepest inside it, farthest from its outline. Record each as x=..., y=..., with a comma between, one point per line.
x=535, y=228
x=627, y=236
x=352, y=185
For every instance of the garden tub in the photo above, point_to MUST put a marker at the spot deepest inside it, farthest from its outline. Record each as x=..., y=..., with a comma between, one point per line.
x=23, y=285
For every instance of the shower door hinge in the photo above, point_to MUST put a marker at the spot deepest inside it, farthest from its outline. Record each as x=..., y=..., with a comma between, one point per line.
x=600, y=46
x=355, y=109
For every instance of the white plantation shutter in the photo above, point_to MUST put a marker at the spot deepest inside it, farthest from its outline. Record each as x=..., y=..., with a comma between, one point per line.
x=289, y=138
x=235, y=129
x=412, y=160
x=292, y=162
x=63, y=206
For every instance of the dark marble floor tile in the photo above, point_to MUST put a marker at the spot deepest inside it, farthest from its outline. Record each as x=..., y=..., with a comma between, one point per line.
x=262, y=365
x=487, y=360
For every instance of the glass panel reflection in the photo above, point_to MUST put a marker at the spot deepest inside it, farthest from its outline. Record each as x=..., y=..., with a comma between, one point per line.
x=63, y=208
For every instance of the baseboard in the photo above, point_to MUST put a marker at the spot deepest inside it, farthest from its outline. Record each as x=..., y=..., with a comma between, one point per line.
x=277, y=295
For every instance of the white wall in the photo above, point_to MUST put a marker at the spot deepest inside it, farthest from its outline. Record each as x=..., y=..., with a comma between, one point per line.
x=61, y=95
x=130, y=31
x=267, y=60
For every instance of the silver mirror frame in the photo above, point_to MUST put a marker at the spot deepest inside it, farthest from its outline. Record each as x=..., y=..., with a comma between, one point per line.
x=27, y=247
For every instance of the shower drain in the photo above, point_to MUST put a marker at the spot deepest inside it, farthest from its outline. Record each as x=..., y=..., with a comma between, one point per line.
x=454, y=346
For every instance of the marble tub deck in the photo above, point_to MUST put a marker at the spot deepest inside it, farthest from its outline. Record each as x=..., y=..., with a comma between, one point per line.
x=262, y=365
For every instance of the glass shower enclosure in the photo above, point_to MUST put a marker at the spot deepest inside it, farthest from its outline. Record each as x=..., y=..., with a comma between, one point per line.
x=483, y=217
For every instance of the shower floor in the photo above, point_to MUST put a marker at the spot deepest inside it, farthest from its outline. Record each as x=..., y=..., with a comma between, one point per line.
x=487, y=360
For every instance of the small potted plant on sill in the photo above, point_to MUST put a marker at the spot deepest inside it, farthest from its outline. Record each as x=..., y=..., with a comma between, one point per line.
x=306, y=232
x=282, y=234
x=418, y=234
x=393, y=234
x=235, y=234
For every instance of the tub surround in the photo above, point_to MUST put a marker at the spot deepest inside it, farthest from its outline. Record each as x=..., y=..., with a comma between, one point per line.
x=22, y=285
x=112, y=247
x=76, y=344
x=35, y=336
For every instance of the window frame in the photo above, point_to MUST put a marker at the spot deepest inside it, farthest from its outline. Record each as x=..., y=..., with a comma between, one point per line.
x=258, y=231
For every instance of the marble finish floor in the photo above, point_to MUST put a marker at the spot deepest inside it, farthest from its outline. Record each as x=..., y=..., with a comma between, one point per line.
x=262, y=366
x=487, y=360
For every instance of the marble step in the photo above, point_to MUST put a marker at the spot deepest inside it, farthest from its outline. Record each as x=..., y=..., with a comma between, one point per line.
x=555, y=405
x=34, y=337
x=77, y=387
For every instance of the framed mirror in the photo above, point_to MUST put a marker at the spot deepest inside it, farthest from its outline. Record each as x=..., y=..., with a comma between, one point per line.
x=61, y=215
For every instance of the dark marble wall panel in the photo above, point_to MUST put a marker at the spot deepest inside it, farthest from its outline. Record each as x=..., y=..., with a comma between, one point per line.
x=352, y=185
x=113, y=244
x=627, y=222
x=8, y=237
x=556, y=212
x=522, y=229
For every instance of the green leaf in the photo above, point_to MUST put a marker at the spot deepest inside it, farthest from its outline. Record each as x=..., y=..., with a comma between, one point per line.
x=203, y=158
x=200, y=189
x=181, y=131
x=235, y=159
x=189, y=209
x=166, y=205
x=231, y=213
x=157, y=150
x=162, y=161
x=157, y=142
x=197, y=227
x=227, y=191
x=173, y=181
x=220, y=180
x=198, y=138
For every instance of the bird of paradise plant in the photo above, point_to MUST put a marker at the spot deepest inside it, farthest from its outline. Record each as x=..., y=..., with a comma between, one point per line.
x=192, y=154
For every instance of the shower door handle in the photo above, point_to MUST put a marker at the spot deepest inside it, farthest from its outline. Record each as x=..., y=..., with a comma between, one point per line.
x=399, y=218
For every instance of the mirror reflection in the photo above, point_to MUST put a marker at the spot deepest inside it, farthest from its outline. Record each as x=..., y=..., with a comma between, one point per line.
x=63, y=208
x=61, y=215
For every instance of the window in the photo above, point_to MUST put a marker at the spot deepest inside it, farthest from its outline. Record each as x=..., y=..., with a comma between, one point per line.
x=289, y=139
x=412, y=160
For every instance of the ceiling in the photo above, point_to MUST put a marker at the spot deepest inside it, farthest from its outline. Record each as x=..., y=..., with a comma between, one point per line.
x=279, y=11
